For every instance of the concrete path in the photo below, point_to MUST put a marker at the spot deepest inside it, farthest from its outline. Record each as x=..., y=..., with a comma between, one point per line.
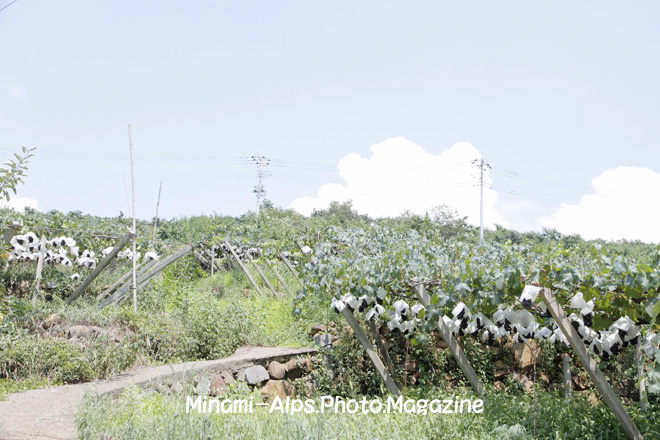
x=50, y=413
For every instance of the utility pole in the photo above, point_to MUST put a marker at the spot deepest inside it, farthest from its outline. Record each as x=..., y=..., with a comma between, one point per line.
x=130, y=141
x=259, y=188
x=481, y=164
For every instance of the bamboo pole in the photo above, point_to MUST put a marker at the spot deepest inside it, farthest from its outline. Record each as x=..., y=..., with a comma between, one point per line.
x=366, y=344
x=100, y=268
x=589, y=364
x=456, y=349
x=40, y=266
x=153, y=239
x=130, y=140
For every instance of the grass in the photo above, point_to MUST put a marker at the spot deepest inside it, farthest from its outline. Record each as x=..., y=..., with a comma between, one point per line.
x=8, y=386
x=152, y=416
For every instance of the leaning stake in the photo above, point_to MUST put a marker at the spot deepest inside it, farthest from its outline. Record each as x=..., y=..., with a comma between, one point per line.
x=589, y=364
x=100, y=268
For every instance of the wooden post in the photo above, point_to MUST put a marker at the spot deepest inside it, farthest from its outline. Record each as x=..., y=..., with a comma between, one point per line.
x=125, y=279
x=366, y=344
x=9, y=233
x=262, y=275
x=40, y=266
x=245, y=269
x=212, y=262
x=640, y=375
x=290, y=266
x=100, y=268
x=154, y=270
x=589, y=364
x=381, y=348
x=456, y=349
x=211, y=253
x=279, y=277
x=201, y=259
x=566, y=366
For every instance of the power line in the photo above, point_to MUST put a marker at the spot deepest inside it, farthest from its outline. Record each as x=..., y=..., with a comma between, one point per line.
x=6, y=6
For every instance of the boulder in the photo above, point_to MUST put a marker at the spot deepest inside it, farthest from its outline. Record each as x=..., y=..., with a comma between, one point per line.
x=78, y=331
x=318, y=329
x=296, y=368
x=218, y=385
x=500, y=365
x=276, y=370
x=177, y=388
x=240, y=376
x=499, y=386
x=227, y=377
x=323, y=340
x=51, y=320
x=279, y=388
x=256, y=375
x=525, y=353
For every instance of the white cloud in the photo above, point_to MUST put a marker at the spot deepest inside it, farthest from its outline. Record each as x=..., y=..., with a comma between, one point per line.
x=401, y=175
x=16, y=92
x=20, y=203
x=624, y=206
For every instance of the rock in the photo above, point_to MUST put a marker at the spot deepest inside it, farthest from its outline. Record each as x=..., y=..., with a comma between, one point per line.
x=318, y=329
x=500, y=365
x=78, y=331
x=204, y=386
x=578, y=382
x=256, y=375
x=276, y=370
x=177, y=388
x=77, y=342
x=500, y=374
x=227, y=377
x=524, y=381
x=218, y=386
x=525, y=353
x=116, y=335
x=323, y=340
x=441, y=344
x=499, y=386
x=51, y=320
x=240, y=376
x=97, y=330
x=591, y=397
x=310, y=388
x=279, y=388
x=295, y=368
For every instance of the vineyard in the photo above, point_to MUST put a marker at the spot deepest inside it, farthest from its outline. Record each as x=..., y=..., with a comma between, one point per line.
x=408, y=306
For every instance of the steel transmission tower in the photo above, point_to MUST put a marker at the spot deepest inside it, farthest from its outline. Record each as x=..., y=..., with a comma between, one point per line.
x=259, y=189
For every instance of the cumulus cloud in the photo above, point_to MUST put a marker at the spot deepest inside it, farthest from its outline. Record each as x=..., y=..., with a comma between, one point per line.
x=400, y=175
x=19, y=203
x=624, y=206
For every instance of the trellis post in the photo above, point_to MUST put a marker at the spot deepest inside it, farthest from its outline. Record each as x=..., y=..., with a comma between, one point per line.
x=245, y=269
x=100, y=268
x=456, y=349
x=366, y=344
x=589, y=364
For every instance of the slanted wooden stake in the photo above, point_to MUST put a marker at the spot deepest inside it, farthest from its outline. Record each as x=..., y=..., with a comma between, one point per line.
x=566, y=366
x=124, y=280
x=262, y=275
x=290, y=266
x=640, y=374
x=279, y=277
x=456, y=349
x=155, y=270
x=589, y=364
x=153, y=239
x=381, y=348
x=100, y=268
x=366, y=344
x=9, y=233
x=245, y=269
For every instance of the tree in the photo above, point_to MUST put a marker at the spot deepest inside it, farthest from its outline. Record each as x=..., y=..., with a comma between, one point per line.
x=13, y=172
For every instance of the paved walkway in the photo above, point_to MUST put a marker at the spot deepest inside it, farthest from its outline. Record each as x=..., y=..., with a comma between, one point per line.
x=50, y=413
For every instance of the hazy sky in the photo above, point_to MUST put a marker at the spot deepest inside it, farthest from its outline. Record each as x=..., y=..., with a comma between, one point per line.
x=383, y=102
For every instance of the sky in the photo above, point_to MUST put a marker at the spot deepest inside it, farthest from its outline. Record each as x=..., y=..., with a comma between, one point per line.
x=389, y=104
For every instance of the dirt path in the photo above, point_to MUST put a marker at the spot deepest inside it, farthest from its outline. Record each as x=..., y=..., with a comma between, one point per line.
x=50, y=413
